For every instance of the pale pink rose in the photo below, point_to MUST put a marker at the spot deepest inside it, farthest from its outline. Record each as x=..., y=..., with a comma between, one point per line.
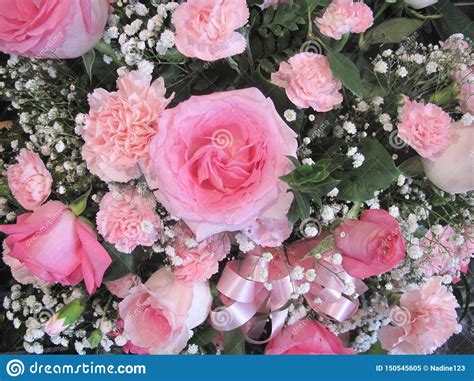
x=128, y=219
x=306, y=337
x=425, y=319
x=308, y=82
x=206, y=28
x=121, y=287
x=19, y=270
x=57, y=246
x=29, y=180
x=159, y=316
x=426, y=128
x=344, y=16
x=442, y=256
x=274, y=3
x=120, y=125
x=197, y=262
x=51, y=28
x=453, y=169
x=371, y=245
x=217, y=161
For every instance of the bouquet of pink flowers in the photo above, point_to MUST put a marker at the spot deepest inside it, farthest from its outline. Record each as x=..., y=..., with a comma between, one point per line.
x=231, y=176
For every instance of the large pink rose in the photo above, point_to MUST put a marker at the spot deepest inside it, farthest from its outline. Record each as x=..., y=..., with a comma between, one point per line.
x=120, y=125
x=51, y=28
x=56, y=246
x=217, y=161
x=29, y=180
x=426, y=128
x=197, y=261
x=306, y=337
x=308, y=82
x=206, y=28
x=425, y=319
x=19, y=270
x=128, y=219
x=159, y=316
x=453, y=168
x=371, y=245
x=344, y=16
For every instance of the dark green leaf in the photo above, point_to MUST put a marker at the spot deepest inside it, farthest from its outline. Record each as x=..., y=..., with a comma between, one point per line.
x=122, y=263
x=394, y=30
x=344, y=69
x=411, y=167
x=203, y=336
x=376, y=349
x=88, y=60
x=453, y=21
x=234, y=342
x=300, y=207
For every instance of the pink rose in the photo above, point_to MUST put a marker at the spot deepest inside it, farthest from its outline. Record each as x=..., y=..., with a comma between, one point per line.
x=121, y=287
x=57, y=246
x=217, y=161
x=344, y=16
x=128, y=219
x=371, y=245
x=306, y=337
x=51, y=28
x=453, y=169
x=426, y=128
x=159, y=315
x=197, y=262
x=465, y=79
x=442, y=254
x=19, y=270
x=29, y=180
x=424, y=321
x=206, y=28
x=308, y=82
x=121, y=124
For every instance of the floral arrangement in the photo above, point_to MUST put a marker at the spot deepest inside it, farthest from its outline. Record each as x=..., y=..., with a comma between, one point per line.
x=231, y=176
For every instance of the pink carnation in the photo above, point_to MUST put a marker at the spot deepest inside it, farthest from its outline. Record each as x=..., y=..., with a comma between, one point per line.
x=344, y=16
x=443, y=255
x=425, y=319
x=206, y=28
x=29, y=180
x=426, y=128
x=197, y=262
x=128, y=220
x=121, y=124
x=308, y=82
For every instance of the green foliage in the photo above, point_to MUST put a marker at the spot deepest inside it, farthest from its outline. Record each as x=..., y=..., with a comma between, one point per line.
x=122, y=263
x=453, y=21
x=88, y=61
x=234, y=342
x=344, y=69
x=393, y=30
x=80, y=204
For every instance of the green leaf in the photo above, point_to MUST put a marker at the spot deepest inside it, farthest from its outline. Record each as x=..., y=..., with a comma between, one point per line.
x=453, y=21
x=376, y=349
x=394, y=31
x=234, y=342
x=300, y=207
x=88, y=60
x=204, y=336
x=80, y=204
x=72, y=312
x=326, y=244
x=121, y=265
x=344, y=69
x=377, y=172
x=412, y=167
x=94, y=338
x=446, y=95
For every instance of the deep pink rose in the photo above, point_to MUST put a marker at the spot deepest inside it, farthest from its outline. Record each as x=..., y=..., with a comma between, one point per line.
x=308, y=82
x=127, y=219
x=425, y=319
x=29, y=180
x=51, y=28
x=197, y=261
x=159, y=316
x=426, y=128
x=306, y=337
x=206, y=28
x=371, y=245
x=19, y=270
x=120, y=125
x=344, y=16
x=217, y=161
x=57, y=246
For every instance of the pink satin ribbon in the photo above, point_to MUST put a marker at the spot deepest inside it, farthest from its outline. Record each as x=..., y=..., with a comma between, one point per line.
x=251, y=304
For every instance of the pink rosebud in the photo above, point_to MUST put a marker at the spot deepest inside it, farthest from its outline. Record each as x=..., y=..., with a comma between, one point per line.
x=371, y=245
x=29, y=180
